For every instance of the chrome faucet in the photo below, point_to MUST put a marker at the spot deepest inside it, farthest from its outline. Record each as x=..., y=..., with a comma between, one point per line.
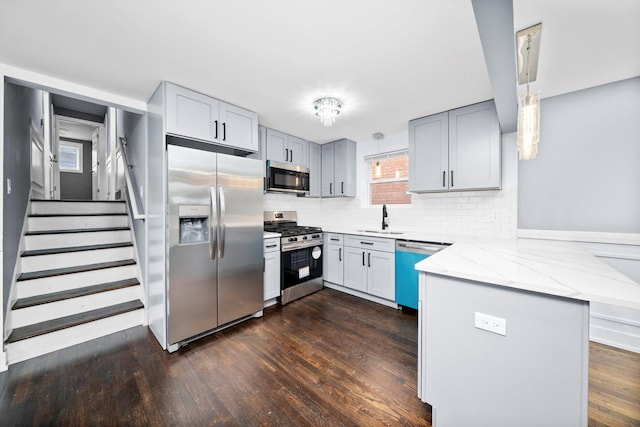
x=385, y=219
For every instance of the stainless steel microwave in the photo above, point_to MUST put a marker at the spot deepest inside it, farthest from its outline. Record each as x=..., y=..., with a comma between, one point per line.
x=284, y=177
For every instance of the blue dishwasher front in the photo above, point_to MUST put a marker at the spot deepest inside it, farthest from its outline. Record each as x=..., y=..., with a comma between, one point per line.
x=408, y=254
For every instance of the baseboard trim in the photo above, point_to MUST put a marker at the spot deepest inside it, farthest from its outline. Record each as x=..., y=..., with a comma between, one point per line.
x=617, y=343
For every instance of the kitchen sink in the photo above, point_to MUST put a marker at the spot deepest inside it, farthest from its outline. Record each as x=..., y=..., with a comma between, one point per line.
x=381, y=232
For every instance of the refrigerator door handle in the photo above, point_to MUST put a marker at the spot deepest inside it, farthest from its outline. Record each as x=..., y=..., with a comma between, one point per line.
x=222, y=225
x=213, y=219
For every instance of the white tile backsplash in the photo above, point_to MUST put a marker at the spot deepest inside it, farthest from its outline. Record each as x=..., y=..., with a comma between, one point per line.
x=477, y=213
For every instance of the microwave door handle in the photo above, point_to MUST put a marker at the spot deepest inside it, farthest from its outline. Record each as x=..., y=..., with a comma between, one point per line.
x=213, y=220
x=222, y=226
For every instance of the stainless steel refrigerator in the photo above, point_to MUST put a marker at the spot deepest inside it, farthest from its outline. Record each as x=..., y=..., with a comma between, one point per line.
x=215, y=254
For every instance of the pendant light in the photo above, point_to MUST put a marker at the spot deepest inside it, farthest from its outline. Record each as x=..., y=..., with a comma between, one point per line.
x=529, y=111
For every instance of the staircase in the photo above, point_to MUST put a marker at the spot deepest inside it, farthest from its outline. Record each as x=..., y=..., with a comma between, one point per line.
x=78, y=279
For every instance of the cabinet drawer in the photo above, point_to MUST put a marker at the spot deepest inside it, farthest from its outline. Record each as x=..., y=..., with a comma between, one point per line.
x=366, y=242
x=272, y=244
x=333, y=238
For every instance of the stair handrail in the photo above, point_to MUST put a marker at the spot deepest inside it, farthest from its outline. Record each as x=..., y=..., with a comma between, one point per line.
x=132, y=195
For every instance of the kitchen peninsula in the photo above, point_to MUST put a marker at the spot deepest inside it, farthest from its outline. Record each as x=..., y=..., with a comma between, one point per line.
x=504, y=331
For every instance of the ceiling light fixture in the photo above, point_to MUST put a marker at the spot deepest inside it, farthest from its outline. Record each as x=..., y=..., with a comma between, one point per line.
x=528, y=42
x=327, y=109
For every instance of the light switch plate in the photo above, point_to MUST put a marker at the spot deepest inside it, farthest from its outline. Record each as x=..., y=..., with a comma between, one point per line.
x=486, y=322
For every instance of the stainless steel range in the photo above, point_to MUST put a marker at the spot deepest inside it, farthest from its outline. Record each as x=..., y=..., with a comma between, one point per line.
x=300, y=252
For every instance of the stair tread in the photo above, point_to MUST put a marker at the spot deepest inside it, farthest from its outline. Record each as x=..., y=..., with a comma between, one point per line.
x=75, y=269
x=79, y=200
x=75, y=230
x=52, y=251
x=49, y=326
x=73, y=293
x=63, y=215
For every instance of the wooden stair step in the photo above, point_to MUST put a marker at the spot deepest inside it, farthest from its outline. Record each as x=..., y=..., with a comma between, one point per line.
x=74, y=230
x=77, y=201
x=58, y=215
x=73, y=293
x=75, y=269
x=75, y=249
x=49, y=326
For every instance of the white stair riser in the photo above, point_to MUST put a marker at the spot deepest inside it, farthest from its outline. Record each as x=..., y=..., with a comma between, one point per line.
x=48, y=208
x=29, y=288
x=43, y=312
x=67, y=240
x=76, y=222
x=70, y=259
x=43, y=344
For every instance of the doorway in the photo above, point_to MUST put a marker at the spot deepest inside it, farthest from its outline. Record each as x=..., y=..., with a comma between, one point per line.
x=81, y=142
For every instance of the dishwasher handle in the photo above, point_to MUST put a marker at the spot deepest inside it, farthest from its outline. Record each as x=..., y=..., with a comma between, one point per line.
x=420, y=247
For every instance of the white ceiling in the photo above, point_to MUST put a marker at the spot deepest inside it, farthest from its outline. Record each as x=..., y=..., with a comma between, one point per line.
x=388, y=61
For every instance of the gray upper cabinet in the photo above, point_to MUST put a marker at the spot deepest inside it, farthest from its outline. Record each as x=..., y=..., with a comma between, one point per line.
x=328, y=160
x=287, y=148
x=339, y=169
x=194, y=115
x=455, y=150
x=315, y=170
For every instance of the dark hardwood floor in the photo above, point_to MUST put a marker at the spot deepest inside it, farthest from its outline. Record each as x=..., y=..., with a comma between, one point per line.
x=327, y=359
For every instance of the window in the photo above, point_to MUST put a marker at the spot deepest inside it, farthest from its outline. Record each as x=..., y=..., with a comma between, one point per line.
x=70, y=156
x=389, y=178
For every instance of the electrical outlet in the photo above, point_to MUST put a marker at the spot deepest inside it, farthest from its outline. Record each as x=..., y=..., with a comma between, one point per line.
x=497, y=325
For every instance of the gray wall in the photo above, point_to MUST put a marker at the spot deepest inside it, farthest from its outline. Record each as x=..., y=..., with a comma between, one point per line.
x=78, y=186
x=586, y=176
x=20, y=104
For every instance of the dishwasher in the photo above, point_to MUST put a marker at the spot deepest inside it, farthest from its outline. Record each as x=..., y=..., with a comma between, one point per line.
x=408, y=254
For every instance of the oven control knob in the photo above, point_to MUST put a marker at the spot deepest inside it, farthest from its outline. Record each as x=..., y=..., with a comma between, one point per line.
x=304, y=238
x=315, y=236
x=293, y=239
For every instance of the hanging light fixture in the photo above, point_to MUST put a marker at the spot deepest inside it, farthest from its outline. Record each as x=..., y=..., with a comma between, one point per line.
x=529, y=113
x=327, y=109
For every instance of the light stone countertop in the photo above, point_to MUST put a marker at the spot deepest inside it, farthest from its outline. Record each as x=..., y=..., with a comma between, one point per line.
x=420, y=236
x=270, y=234
x=550, y=267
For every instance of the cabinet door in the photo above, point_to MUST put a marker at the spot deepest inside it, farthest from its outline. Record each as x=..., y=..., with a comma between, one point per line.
x=298, y=151
x=345, y=168
x=271, y=275
x=474, y=147
x=328, y=189
x=239, y=127
x=429, y=153
x=191, y=114
x=334, y=271
x=381, y=274
x=315, y=170
x=355, y=269
x=277, y=148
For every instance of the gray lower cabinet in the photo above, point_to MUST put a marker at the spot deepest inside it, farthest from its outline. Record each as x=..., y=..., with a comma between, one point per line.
x=315, y=170
x=333, y=260
x=369, y=265
x=456, y=150
x=195, y=115
x=339, y=169
x=271, y=268
x=287, y=148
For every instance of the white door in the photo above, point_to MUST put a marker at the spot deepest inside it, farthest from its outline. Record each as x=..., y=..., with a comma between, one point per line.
x=37, y=162
x=55, y=170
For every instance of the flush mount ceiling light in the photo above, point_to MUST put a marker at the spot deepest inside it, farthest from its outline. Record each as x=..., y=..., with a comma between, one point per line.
x=528, y=42
x=327, y=109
